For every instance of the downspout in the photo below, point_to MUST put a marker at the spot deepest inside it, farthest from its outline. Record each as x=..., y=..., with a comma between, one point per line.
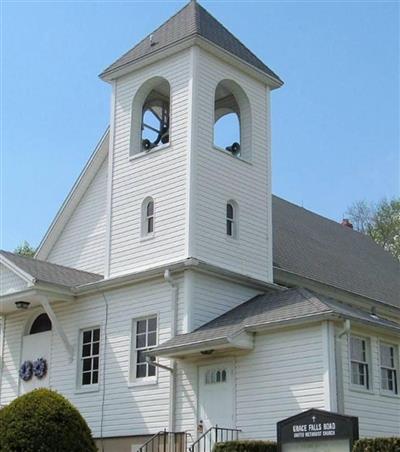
x=172, y=385
x=339, y=365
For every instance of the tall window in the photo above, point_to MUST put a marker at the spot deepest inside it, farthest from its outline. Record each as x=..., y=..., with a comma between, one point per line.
x=148, y=217
x=388, y=359
x=359, y=361
x=231, y=219
x=145, y=338
x=90, y=354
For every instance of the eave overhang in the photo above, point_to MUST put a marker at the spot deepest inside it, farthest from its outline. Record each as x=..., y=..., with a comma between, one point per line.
x=187, y=42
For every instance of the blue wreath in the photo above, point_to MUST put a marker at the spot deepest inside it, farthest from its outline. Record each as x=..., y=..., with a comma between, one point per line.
x=40, y=368
x=26, y=370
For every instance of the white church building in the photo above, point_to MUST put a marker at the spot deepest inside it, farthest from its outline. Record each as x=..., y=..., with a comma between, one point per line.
x=174, y=292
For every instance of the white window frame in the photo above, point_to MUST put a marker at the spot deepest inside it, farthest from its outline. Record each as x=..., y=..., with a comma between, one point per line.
x=133, y=379
x=145, y=234
x=368, y=386
x=233, y=221
x=91, y=386
x=394, y=369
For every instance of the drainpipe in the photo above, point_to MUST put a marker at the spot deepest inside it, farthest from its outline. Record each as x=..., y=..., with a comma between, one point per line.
x=172, y=385
x=339, y=365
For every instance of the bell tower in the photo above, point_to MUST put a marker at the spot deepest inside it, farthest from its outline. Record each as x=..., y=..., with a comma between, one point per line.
x=175, y=192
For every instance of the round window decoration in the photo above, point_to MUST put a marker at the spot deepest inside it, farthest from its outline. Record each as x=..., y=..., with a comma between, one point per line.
x=26, y=370
x=40, y=368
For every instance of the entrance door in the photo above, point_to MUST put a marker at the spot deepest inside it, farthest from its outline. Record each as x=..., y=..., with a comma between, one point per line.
x=36, y=346
x=216, y=396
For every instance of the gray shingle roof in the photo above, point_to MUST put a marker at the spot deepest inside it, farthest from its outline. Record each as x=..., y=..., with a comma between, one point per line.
x=51, y=273
x=269, y=309
x=321, y=249
x=191, y=20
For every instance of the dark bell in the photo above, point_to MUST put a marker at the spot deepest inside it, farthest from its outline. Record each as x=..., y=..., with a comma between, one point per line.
x=234, y=148
x=146, y=144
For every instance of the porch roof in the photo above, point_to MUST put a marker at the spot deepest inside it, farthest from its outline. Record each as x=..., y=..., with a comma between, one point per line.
x=263, y=312
x=49, y=273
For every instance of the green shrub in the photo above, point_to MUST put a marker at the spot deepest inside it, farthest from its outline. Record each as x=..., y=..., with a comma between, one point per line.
x=377, y=445
x=246, y=446
x=43, y=421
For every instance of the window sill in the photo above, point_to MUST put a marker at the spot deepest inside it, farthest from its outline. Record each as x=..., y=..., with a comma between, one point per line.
x=236, y=157
x=91, y=388
x=145, y=238
x=389, y=394
x=361, y=390
x=151, y=381
x=142, y=154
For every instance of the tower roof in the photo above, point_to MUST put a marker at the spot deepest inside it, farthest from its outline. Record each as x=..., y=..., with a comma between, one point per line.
x=191, y=21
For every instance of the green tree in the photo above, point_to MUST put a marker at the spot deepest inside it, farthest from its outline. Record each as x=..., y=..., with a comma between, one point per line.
x=381, y=221
x=43, y=421
x=25, y=249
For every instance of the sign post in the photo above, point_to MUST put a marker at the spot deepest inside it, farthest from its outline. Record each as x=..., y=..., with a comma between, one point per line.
x=317, y=430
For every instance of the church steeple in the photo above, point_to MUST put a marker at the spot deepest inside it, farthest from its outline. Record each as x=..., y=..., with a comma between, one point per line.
x=175, y=190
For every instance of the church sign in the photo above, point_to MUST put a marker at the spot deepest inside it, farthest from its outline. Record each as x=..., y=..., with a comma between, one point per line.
x=317, y=430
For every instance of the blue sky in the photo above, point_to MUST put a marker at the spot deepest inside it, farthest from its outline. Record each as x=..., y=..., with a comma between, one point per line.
x=335, y=122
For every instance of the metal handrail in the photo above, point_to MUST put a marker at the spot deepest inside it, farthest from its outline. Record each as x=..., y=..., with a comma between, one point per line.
x=164, y=441
x=225, y=434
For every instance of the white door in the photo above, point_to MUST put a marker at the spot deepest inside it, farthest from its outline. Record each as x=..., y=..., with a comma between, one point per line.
x=36, y=346
x=216, y=396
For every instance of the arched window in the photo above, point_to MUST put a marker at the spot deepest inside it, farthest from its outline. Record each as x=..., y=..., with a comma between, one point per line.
x=41, y=324
x=232, y=119
x=231, y=219
x=148, y=217
x=150, y=125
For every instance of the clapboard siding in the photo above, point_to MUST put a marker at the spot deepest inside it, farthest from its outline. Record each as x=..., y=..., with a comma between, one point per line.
x=281, y=377
x=371, y=406
x=213, y=296
x=219, y=177
x=12, y=336
x=10, y=282
x=81, y=243
x=160, y=174
x=128, y=409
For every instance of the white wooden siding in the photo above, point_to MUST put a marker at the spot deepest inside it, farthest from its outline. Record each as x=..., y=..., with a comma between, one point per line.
x=12, y=336
x=379, y=415
x=213, y=296
x=81, y=243
x=160, y=174
x=280, y=378
x=10, y=282
x=218, y=177
x=128, y=409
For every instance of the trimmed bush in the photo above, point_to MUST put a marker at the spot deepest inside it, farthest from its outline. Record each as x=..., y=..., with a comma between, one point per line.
x=43, y=421
x=377, y=445
x=246, y=446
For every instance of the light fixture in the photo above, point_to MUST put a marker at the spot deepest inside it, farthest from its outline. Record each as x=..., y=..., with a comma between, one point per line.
x=22, y=304
x=207, y=352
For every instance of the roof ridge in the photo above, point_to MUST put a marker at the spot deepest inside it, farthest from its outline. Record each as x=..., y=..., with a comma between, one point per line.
x=345, y=228
x=33, y=259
